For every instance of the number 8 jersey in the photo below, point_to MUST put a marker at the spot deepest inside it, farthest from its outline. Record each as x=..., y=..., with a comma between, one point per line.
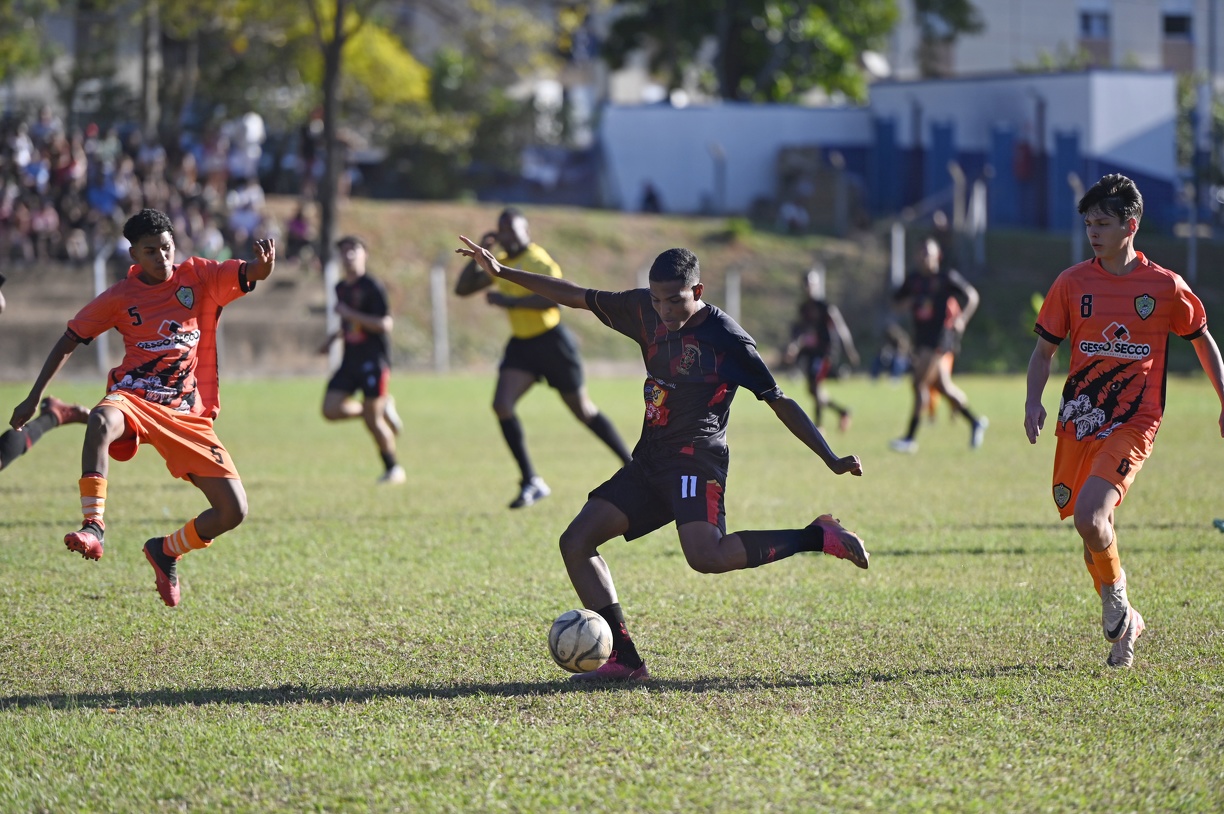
x=1119, y=328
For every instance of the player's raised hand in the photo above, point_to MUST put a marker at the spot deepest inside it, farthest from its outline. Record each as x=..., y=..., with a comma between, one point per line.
x=481, y=256
x=1034, y=421
x=260, y=268
x=850, y=463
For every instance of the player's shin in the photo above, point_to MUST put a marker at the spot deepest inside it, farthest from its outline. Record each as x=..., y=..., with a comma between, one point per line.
x=184, y=540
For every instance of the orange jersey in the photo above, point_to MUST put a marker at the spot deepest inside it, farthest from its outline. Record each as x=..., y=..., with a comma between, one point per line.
x=169, y=332
x=1119, y=329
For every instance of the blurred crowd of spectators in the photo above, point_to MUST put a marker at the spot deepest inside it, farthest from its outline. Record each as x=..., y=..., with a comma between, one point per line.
x=66, y=192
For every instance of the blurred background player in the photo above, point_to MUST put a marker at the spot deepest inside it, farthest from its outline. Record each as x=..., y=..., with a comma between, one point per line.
x=696, y=358
x=817, y=338
x=540, y=347
x=1118, y=309
x=937, y=332
x=365, y=327
x=165, y=391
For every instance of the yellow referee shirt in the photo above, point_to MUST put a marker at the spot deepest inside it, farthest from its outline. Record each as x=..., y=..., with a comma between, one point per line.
x=528, y=322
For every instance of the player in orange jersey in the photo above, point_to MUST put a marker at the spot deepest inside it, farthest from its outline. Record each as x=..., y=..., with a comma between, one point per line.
x=1118, y=309
x=164, y=392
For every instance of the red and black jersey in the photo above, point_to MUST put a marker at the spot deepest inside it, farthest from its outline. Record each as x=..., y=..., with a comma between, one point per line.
x=692, y=374
x=365, y=295
x=1119, y=328
x=169, y=332
x=934, y=303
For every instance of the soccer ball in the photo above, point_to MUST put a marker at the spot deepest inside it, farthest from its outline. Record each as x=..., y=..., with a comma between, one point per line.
x=580, y=640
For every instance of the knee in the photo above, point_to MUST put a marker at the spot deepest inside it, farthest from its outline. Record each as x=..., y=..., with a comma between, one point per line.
x=576, y=546
x=1091, y=524
x=233, y=512
x=704, y=563
x=503, y=409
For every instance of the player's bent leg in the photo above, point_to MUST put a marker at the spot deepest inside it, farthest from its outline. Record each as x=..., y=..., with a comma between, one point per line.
x=708, y=551
x=1094, y=507
x=339, y=405
x=227, y=502
x=597, y=522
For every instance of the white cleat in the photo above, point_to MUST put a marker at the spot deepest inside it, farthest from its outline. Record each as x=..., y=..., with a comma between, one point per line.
x=1115, y=610
x=906, y=445
x=395, y=475
x=531, y=492
x=979, y=432
x=1122, y=654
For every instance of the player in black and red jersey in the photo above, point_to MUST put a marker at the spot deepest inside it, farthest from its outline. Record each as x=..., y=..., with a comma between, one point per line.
x=938, y=329
x=818, y=337
x=164, y=392
x=696, y=358
x=365, y=327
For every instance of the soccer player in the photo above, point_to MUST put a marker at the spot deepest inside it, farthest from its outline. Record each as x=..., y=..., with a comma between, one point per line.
x=937, y=332
x=696, y=358
x=1118, y=309
x=816, y=337
x=361, y=303
x=164, y=393
x=540, y=347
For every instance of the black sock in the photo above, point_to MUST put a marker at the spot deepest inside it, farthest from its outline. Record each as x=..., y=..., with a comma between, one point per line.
x=388, y=459
x=513, y=431
x=964, y=410
x=603, y=429
x=622, y=644
x=764, y=547
x=837, y=408
x=819, y=416
x=15, y=443
x=913, y=428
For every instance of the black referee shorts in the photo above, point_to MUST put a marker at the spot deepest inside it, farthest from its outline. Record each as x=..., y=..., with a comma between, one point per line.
x=552, y=356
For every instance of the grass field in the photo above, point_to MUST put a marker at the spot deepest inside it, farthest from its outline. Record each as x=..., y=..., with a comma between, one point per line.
x=352, y=648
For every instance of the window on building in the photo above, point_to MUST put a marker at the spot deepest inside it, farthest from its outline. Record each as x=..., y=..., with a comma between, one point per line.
x=1177, y=26
x=1094, y=25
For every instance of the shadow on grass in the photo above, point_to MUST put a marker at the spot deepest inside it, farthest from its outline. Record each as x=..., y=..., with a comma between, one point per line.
x=289, y=694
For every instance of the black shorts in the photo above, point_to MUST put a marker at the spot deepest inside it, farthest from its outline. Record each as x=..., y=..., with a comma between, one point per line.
x=939, y=338
x=370, y=376
x=653, y=491
x=552, y=356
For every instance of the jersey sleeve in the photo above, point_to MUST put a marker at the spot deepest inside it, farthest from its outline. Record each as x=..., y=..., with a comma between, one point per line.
x=619, y=310
x=226, y=281
x=96, y=318
x=377, y=305
x=1189, y=319
x=1053, y=321
x=743, y=365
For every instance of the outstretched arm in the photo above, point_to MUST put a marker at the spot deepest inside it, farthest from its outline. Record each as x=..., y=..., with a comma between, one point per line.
x=473, y=278
x=557, y=289
x=1209, y=357
x=260, y=267
x=796, y=420
x=1038, y=375
x=59, y=354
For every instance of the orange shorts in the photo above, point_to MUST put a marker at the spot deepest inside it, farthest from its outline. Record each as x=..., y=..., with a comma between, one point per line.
x=1116, y=458
x=187, y=442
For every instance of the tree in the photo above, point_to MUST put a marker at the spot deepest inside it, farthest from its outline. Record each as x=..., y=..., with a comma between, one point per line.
x=22, y=46
x=765, y=50
x=941, y=23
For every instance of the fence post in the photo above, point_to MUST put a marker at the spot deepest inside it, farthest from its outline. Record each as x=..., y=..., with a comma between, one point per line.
x=331, y=276
x=732, y=303
x=441, y=332
x=897, y=266
x=102, y=342
x=1077, y=230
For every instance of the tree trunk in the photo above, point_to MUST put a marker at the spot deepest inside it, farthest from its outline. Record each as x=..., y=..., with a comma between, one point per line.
x=332, y=53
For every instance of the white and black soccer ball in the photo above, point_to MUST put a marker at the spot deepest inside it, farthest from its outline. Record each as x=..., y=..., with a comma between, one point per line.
x=580, y=640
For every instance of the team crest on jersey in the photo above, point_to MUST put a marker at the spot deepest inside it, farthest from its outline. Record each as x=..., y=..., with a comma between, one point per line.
x=1061, y=495
x=692, y=355
x=1144, y=306
x=185, y=296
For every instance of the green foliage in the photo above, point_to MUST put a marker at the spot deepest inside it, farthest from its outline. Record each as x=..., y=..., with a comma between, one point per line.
x=23, y=49
x=768, y=50
x=352, y=648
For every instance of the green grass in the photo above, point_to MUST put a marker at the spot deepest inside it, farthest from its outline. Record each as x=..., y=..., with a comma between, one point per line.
x=351, y=648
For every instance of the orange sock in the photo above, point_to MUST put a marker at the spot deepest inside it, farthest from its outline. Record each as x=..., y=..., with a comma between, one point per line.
x=184, y=540
x=1092, y=571
x=93, y=499
x=1108, y=566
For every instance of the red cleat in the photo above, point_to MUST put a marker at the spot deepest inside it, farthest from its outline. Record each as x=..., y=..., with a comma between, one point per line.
x=840, y=542
x=64, y=413
x=87, y=542
x=165, y=568
x=613, y=671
